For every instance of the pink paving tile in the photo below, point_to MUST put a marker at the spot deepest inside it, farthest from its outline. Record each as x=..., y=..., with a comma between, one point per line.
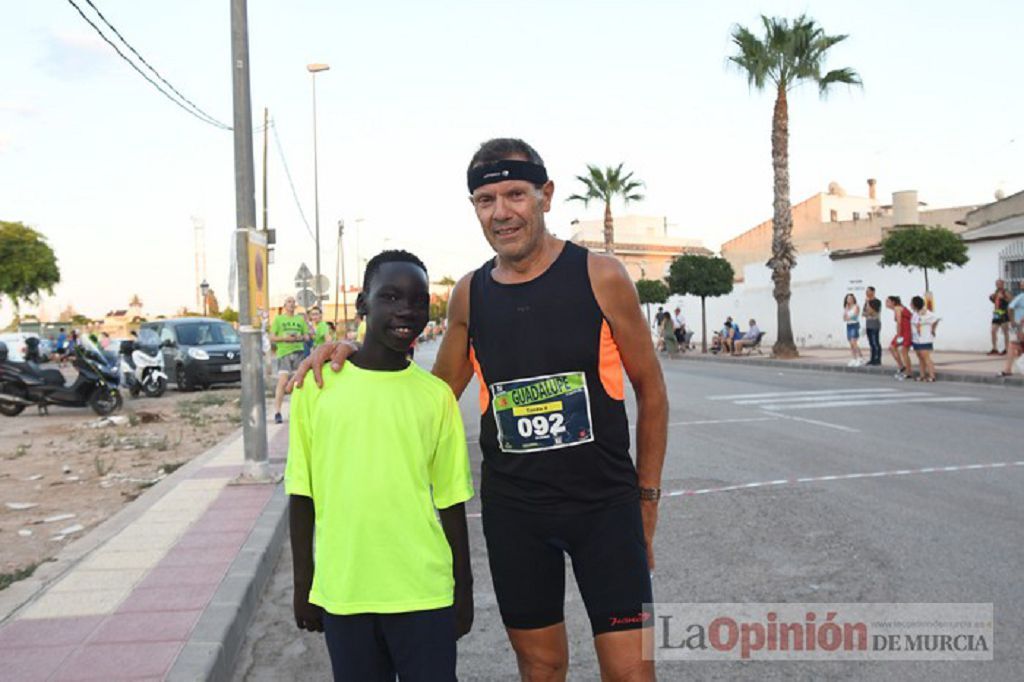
x=179, y=556
x=29, y=665
x=169, y=576
x=169, y=626
x=220, y=523
x=47, y=632
x=177, y=598
x=229, y=471
x=119, y=661
x=252, y=492
x=192, y=540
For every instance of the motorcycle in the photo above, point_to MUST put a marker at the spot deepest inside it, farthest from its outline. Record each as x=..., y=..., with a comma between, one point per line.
x=25, y=383
x=143, y=372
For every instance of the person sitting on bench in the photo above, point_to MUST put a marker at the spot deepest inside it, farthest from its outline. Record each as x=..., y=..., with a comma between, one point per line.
x=749, y=339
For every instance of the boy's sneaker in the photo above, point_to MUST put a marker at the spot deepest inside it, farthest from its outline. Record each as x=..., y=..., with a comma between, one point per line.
x=899, y=375
x=277, y=418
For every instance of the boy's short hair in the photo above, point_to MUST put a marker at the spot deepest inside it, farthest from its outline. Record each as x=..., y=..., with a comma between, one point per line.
x=389, y=256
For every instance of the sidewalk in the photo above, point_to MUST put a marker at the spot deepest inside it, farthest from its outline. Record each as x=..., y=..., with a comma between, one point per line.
x=161, y=591
x=949, y=366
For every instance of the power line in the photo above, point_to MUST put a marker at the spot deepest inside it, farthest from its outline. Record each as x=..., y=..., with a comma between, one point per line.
x=194, y=110
x=287, y=173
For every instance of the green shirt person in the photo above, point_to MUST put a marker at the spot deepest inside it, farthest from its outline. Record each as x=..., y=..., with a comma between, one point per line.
x=371, y=456
x=320, y=330
x=289, y=332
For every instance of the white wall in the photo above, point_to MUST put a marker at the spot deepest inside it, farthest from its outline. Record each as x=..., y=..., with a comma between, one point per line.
x=820, y=283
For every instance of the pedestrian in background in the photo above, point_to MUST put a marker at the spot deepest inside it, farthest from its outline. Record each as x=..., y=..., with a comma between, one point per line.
x=900, y=346
x=668, y=335
x=1015, y=311
x=851, y=315
x=873, y=325
x=922, y=326
x=1000, y=318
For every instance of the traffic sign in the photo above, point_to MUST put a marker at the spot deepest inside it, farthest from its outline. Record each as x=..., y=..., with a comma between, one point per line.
x=321, y=284
x=305, y=298
x=303, y=277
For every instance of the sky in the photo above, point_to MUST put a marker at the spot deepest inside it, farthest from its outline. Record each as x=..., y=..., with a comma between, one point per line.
x=112, y=173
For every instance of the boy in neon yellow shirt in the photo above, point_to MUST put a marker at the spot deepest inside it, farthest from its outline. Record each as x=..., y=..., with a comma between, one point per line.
x=370, y=457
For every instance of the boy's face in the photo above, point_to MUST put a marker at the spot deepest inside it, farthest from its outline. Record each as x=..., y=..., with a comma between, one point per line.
x=397, y=305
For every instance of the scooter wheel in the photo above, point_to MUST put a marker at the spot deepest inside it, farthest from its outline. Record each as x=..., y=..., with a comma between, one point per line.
x=104, y=401
x=13, y=409
x=155, y=389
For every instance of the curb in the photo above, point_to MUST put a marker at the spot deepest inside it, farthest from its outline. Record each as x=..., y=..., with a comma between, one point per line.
x=213, y=647
x=951, y=376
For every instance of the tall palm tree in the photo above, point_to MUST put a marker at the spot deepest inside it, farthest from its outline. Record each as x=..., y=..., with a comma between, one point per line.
x=789, y=53
x=605, y=185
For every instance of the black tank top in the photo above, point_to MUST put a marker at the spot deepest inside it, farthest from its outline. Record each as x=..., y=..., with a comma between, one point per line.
x=553, y=426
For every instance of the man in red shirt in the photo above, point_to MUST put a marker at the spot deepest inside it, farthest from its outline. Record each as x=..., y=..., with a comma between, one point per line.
x=900, y=346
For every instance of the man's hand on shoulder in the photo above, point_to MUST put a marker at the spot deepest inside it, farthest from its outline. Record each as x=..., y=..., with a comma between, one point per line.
x=335, y=352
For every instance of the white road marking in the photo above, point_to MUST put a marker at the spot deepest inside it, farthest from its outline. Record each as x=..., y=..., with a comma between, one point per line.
x=872, y=402
x=832, y=396
x=785, y=394
x=830, y=478
x=838, y=427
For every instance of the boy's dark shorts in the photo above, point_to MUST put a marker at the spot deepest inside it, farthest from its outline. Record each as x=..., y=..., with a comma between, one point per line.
x=418, y=646
x=609, y=559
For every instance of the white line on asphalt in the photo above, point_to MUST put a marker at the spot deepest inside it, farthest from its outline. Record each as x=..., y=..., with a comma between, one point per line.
x=784, y=394
x=863, y=395
x=866, y=403
x=838, y=427
x=830, y=478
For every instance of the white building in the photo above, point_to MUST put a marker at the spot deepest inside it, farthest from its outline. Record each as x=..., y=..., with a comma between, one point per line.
x=821, y=280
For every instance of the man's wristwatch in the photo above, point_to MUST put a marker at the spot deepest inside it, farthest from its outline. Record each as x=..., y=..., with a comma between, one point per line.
x=650, y=494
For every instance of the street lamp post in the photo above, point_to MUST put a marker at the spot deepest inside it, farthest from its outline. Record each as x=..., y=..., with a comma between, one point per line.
x=204, y=289
x=314, y=69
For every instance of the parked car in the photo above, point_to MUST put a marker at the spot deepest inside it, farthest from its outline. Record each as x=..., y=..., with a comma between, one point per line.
x=198, y=351
x=16, y=346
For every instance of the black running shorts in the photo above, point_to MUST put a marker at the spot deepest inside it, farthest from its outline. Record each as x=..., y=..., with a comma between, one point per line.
x=609, y=559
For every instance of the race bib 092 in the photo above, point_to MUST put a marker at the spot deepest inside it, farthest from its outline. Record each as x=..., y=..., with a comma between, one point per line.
x=542, y=413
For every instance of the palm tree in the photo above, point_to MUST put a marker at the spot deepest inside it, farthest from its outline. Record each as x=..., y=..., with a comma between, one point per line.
x=604, y=186
x=788, y=54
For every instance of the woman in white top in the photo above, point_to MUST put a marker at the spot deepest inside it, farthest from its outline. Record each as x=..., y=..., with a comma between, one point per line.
x=922, y=328
x=851, y=316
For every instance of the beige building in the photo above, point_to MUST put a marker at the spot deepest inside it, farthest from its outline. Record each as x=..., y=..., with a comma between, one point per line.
x=834, y=220
x=645, y=244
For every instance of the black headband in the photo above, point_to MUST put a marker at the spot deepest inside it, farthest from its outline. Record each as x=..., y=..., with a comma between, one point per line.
x=508, y=169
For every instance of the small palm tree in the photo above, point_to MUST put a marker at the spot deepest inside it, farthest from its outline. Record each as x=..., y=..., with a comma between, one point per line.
x=788, y=54
x=605, y=185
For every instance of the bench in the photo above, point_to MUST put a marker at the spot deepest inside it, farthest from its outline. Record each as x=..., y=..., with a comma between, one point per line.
x=750, y=347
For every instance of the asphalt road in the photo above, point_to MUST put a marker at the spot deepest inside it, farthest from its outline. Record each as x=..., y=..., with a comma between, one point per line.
x=901, y=535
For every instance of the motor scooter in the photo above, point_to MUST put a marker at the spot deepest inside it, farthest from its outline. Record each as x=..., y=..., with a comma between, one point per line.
x=25, y=383
x=143, y=372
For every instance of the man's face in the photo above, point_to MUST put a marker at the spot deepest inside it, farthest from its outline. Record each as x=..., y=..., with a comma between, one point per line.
x=397, y=305
x=511, y=214
x=890, y=304
x=1000, y=284
x=870, y=293
x=289, y=306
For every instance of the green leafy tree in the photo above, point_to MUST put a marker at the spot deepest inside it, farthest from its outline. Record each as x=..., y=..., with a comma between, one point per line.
x=919, y=246
x=229, y=315
x=28, y=266
x=790, y=53
x=605, y=185
x=693, y=275
x=651, y=291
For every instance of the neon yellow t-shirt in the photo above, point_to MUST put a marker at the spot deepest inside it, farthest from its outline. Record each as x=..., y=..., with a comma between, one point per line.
x=321, y=332
x=377, y=452
x=283, y=325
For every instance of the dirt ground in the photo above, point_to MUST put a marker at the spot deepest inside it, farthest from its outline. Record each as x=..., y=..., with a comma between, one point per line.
x=61, y=475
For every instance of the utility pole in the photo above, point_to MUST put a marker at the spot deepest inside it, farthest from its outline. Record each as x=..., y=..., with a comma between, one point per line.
x=337, y=265
x=344, y=293
x=254, y=406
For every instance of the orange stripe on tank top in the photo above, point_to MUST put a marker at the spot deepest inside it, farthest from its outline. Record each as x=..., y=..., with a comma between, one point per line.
x=609, y=364
x=485, y=395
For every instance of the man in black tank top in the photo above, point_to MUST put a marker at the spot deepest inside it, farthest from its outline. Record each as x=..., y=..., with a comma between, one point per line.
x=547, y=328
